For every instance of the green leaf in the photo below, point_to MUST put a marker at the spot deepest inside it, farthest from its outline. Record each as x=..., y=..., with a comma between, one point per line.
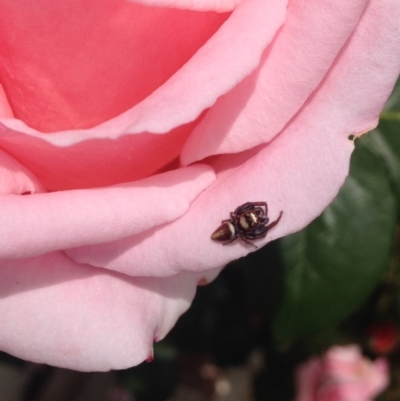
x=385, y=141
x=333, y=264
x=393, y=104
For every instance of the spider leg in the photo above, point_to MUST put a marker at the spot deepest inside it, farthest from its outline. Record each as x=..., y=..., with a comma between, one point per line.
x=263, y=220
x=257, y=236
x=243, y=208
x=260, y=231
x=262, y=204
x=244, y=239
x=274, y=223
x=258, y=204
x=255, y=206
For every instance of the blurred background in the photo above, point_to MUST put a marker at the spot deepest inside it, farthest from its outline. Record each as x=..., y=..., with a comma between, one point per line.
x=247, y=334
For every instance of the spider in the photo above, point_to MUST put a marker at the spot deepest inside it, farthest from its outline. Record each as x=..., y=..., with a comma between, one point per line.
x=249, y=222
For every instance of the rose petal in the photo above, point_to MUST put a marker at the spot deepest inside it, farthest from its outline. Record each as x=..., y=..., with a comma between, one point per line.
x=298, y=173
x=217, y=67
x=75, y=64
x=347, y=365
x=55, y=311
x=223, y=61
x=265, y=176
x=40, y=223
x=199, y=5
x=343, y=373
x=95, y=163
x=5, y=108
x=303, y=51
x=307, y=380
x=380, y=377
x=15, y=178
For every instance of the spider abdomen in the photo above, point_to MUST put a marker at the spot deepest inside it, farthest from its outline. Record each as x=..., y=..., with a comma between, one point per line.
x=224, y=232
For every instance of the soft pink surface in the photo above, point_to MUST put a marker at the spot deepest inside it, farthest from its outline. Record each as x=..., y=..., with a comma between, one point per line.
x=299, y=172
x=119, y=89
x=16, y=179
x=55, y=311
x=5, y=109
x=62, y=220
x=95, y=163
x=342, y=374
x=109, y=47
x=58, y=103
x=289, y=72
x=201, y=5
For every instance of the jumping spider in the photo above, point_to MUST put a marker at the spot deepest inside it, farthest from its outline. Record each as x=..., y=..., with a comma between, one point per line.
x=249, y=222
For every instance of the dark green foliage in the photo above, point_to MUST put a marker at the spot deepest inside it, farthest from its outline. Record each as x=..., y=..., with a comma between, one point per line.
x=334, y=263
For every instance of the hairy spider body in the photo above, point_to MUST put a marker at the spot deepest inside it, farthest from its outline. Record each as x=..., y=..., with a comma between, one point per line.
x=248, y=222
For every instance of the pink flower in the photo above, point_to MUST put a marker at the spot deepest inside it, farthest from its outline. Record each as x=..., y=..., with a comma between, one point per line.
x=342, y=374
x=234, y=100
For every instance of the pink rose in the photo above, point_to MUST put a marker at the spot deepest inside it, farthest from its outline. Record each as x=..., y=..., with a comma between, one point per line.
x=234, y=100
x=342, y=374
